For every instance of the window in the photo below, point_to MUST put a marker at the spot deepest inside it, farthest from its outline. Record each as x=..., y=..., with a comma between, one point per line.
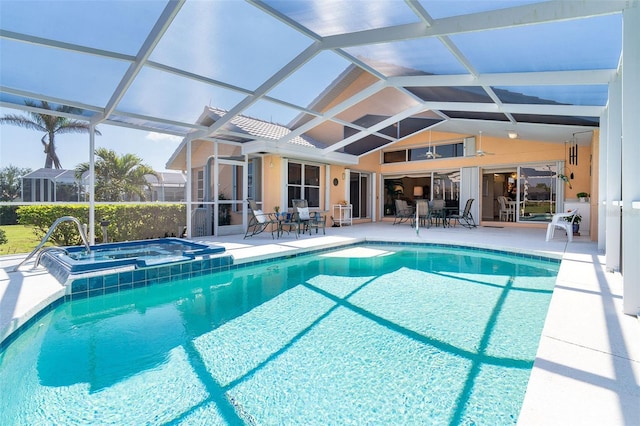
x=395, y=156
x=450, y=150
x=303, y=181
x=421, y=153
x=200, y=186
x=250, y=188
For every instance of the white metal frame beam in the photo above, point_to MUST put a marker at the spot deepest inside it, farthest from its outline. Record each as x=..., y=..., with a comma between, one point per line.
x=537, y=13
x=547, y=78
x=442, y=29
x=152, y=40
x=381, y=125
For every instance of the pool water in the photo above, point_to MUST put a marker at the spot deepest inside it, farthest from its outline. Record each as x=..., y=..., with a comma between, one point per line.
x=140, y=253
x=370, y=334
x=153, y=248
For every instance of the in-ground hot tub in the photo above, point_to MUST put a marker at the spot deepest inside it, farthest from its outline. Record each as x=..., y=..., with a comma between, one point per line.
x=74, y=262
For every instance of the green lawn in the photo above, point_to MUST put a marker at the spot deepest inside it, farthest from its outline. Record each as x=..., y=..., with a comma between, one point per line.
x=21, y=239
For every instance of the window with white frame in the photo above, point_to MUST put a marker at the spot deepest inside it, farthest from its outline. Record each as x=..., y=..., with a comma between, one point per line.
x=303, y=181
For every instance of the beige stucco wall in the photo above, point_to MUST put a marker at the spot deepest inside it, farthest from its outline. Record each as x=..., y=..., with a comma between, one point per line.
x=504, y=152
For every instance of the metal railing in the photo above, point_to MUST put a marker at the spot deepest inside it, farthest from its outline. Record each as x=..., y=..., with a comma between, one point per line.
x=53, y=227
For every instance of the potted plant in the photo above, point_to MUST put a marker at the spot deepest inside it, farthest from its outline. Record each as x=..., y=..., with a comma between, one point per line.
x=582, y=196
x=576, y=223
x=276, y=209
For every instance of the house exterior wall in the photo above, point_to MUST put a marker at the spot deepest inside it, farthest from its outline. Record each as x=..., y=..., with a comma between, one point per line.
x=503, y=153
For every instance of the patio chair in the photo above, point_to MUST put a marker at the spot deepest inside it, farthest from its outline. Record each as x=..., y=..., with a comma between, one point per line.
x=507, y=213
x=424, y=213
x=438, y=212
x=564, y=221
x=259, y=221
x=403, y=212
x=289, y=224
x=317, y=221
x=301, y=213
x=466, y=218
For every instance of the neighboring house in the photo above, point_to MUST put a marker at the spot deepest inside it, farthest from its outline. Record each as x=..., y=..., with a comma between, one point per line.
x=168, y=186
x=274, y=164
x=59, y=185
x=50, y=185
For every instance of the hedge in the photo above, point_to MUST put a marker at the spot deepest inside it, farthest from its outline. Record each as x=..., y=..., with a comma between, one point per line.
x=126, y=222
x=8, y=215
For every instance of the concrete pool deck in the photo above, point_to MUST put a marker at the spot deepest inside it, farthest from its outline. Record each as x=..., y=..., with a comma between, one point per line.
x=587, y=369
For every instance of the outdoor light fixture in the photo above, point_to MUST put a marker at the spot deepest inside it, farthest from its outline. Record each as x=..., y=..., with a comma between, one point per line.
x=512, y=134
x=417, y=192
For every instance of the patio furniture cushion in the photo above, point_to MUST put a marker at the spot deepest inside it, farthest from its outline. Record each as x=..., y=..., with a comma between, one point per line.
x=260, y=216
x=303, y=213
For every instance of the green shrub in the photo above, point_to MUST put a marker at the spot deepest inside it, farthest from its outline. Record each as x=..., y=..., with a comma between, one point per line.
x=126, y=222
x=3, y=237
x=8, y=215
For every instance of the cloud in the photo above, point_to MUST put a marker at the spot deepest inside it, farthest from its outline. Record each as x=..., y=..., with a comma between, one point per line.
x=162, y=137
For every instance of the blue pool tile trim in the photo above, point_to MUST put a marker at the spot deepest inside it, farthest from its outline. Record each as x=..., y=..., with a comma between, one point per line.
x=541, y=258
x=536, y=257
x=63, y=266
x=81, y=287
x=31, y=321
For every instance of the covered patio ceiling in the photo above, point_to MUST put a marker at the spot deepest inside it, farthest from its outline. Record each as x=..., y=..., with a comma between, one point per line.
x=540, y=69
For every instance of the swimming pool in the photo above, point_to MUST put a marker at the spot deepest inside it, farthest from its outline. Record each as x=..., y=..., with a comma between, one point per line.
x=382, y=334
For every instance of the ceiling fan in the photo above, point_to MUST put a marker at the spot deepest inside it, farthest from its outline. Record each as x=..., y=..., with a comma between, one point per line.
x=480, y=152
x=430, y=154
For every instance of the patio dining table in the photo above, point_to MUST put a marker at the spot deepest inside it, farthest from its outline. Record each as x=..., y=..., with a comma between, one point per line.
x=441, y=214
x=286, y=223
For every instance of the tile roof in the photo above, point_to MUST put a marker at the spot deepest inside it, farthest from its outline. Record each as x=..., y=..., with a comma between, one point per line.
x=259, y=129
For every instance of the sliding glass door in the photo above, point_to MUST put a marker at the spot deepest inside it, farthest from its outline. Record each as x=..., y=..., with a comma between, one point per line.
x=521, y=193
x=359, y=194
x=537, y=192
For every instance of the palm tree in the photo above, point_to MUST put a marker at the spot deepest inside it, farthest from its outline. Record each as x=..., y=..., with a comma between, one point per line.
x=50, y=125
x=118, y=178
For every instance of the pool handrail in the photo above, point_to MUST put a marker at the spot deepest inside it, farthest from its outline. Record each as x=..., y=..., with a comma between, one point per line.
x=52, y=228
x=46, y=250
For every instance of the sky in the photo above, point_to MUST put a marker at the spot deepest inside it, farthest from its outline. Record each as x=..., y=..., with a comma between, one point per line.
x=22, y=148
x=121, y=27
x=244, y=52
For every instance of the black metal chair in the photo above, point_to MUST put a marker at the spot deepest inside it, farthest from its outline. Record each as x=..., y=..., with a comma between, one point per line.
x=260, y=221
x=465, y=218
x=403, y=212
x=424, y=213
x=307, y=220
x=317, y=221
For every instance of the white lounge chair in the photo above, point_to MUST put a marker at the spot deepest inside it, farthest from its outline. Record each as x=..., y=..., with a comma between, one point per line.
x=564, y=221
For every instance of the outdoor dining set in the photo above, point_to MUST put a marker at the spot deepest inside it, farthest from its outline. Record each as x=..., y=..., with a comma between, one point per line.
x=433, y=213
x=299, y=221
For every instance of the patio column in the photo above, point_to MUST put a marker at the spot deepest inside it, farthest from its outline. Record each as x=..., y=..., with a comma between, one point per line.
x=92, y=184
x=614, y=176
x=602, y=182
x=630, y=156
x=189, y=189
